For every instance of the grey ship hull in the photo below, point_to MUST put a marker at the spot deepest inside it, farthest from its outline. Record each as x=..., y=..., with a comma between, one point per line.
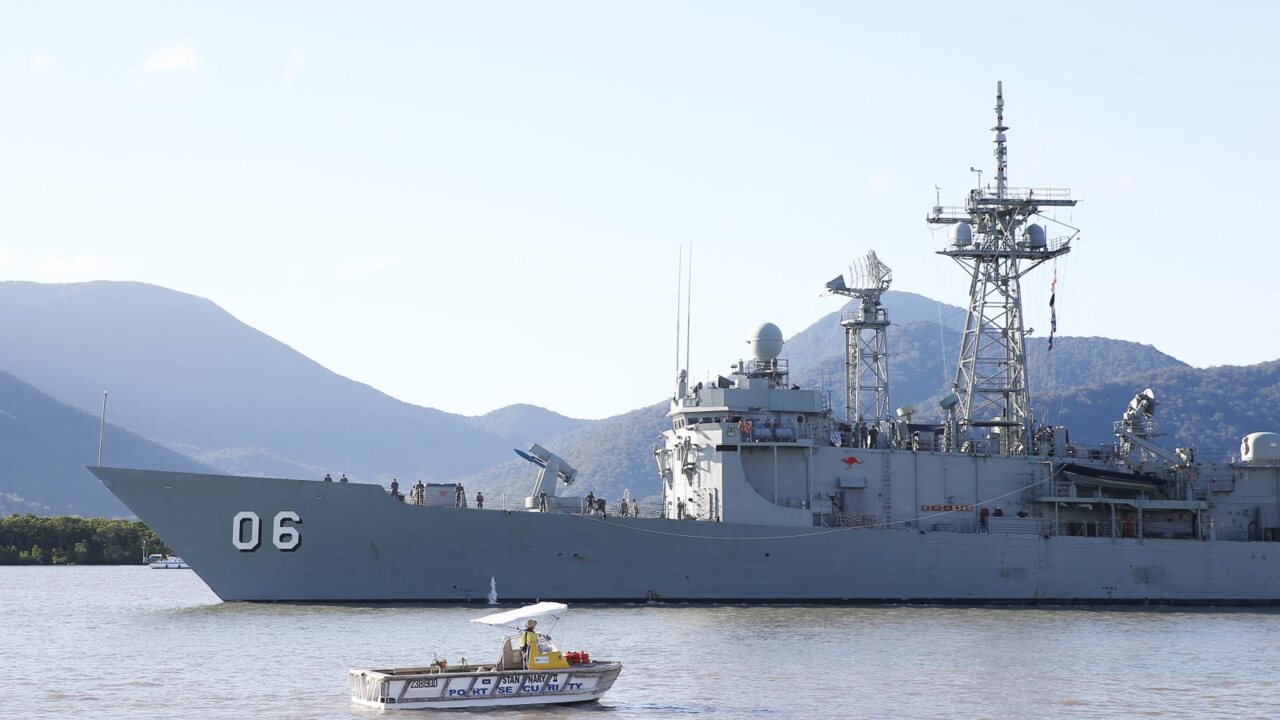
x=358, y=544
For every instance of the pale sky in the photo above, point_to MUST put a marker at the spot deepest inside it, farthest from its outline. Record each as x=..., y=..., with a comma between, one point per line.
x=473, y=204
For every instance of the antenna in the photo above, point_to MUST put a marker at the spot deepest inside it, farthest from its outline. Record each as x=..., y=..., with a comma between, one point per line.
x=102, y=426
x=996, y=243
x=1002, y=152
x=679, y=283
x=688, y=309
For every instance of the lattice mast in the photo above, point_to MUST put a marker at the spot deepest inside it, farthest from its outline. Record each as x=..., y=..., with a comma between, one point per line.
x=992, y=239
x=866, y=356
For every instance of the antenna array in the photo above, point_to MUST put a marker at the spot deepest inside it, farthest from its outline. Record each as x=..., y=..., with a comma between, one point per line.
x=993, y=239
x=866, y=358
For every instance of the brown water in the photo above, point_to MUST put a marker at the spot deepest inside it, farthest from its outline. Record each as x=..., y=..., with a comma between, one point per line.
x=130, y=642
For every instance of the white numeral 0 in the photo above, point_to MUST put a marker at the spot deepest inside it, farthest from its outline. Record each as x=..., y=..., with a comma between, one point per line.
x=285, y=537
x=255, y=531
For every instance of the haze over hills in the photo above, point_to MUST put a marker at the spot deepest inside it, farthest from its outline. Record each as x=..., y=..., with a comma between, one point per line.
x=1209, y=409
x=818, y=350
x=517, y=423
x=187, y=374
x=610, y=455
x=45, y=446
x=922, y=357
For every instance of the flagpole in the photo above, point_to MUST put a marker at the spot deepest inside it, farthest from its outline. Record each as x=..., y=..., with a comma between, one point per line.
x=102, y=426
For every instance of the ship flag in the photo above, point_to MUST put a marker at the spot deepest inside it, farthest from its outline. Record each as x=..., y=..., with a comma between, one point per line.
x=1053, y=311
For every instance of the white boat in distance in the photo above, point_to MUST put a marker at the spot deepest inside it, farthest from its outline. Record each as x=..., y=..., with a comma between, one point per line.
x=167, y=562
x=530, y=671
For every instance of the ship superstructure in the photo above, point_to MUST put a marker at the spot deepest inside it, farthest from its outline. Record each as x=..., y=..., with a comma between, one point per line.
x=990, y=465
x=769, y=495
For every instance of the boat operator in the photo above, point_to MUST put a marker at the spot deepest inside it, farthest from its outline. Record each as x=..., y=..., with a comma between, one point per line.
x=528, y=641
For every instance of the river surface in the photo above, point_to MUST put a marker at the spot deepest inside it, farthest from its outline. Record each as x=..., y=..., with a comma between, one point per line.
x=131, y=642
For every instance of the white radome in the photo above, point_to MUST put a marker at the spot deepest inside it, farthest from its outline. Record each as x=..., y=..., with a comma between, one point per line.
x=766, y=342
x=1260, y=447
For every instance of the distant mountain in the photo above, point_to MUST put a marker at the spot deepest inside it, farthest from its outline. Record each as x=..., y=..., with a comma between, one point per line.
x=187, y=374
x=1076, y=361
x=922, y=356
x=45, y=446
x=918, y=365
x=615, y=453
x=1206, y=409
x=610, y=455
x=818, y=350
x=522, y=424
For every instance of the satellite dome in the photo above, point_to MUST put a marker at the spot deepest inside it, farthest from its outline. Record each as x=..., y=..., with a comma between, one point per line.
x=1035, y=237
x=766, y=342
x=961, y=235
x=1260, y=447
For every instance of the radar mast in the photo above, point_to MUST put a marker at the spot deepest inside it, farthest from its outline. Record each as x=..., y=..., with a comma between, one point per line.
x=866, y=355
x=992, y=238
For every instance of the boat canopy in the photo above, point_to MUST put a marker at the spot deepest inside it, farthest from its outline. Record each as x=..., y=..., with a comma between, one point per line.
x=519, y=615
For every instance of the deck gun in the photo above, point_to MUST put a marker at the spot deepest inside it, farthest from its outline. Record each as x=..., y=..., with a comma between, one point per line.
x=553, y=468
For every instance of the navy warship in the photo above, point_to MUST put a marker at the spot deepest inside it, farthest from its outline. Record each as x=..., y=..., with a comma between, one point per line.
x=770, y=495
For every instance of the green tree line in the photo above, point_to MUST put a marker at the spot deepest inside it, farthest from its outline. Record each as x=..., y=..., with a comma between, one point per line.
x=31, y=540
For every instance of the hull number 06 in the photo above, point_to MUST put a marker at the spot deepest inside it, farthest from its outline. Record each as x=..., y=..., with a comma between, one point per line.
x=246, y=531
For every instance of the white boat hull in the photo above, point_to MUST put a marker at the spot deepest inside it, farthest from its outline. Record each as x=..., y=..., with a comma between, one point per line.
x=428, y=688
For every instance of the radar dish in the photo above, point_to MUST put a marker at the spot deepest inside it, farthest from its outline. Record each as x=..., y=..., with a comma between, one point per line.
x=869, y=278
x=766, y=342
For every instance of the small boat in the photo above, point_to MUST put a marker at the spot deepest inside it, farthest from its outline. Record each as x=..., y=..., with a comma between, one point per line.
x=530, y=671
x=167, y=562
x=1111, y=479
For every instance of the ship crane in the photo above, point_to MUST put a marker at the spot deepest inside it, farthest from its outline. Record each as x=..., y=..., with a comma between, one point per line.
x=866, y=357
x=993, y=238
